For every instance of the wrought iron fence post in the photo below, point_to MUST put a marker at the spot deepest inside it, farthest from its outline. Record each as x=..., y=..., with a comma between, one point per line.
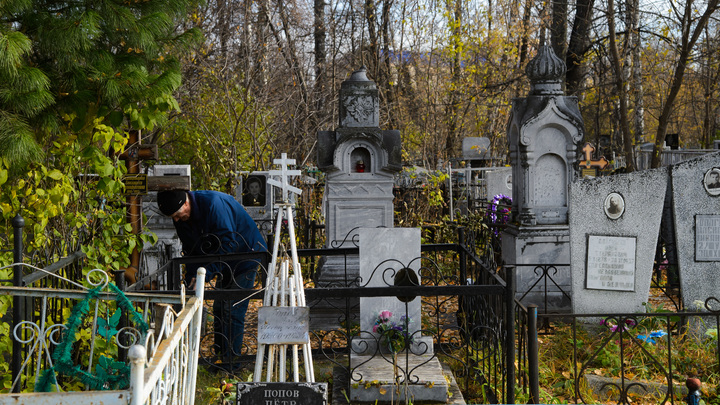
x=533, y=365
x=311, y=230
x=18, y=224
x=510, y=332
x=463, y=258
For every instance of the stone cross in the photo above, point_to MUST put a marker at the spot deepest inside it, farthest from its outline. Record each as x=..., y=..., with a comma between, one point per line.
x=284, y=173
x=590, y=164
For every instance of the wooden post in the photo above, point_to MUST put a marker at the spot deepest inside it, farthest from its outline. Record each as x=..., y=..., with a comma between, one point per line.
x=134, y=208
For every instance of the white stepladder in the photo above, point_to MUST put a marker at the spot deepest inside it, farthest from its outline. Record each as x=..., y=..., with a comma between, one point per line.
x=284, y=291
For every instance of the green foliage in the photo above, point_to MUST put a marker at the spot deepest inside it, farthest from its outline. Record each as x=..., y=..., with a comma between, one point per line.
x=423, y=201
x=74, y=198
x=221, y=131
x=65, y=65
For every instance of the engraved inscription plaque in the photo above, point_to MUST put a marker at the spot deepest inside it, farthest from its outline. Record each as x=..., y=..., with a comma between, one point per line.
x=611, y=263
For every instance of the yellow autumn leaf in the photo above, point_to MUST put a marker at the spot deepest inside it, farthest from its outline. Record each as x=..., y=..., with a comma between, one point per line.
x=598, y=371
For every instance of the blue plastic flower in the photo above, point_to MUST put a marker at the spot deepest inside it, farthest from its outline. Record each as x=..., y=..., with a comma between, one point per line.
x=651, y=337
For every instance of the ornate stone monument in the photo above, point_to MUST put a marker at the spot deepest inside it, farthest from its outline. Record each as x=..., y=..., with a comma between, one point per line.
x=360, y=160
x=544, y=132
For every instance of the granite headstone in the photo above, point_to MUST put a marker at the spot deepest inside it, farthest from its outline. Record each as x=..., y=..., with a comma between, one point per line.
x=614, y=227
x=696, y=209
x=282, y=393
x=498, y=181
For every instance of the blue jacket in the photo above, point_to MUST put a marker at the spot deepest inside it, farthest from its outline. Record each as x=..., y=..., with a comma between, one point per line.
x=218, y=224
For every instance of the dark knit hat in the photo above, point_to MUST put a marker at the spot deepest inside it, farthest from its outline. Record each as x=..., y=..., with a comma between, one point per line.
x=170, y=201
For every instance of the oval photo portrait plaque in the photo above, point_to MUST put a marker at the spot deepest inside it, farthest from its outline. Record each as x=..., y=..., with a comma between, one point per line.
x=614, y=205
x=711, y=181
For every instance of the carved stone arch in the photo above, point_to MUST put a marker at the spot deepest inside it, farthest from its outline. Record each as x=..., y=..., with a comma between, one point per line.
x=348, y=154
x=552, y=191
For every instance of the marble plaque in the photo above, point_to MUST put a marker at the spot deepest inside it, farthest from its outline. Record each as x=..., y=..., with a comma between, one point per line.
x=283, y=325
x=707, y=238
x=610, y=263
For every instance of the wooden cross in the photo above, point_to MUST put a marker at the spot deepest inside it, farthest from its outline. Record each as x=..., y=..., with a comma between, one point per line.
x=590, y=165
x=137, y=184
x=284, y=173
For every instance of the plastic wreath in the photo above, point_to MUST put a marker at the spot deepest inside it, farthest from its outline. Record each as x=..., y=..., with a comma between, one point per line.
x=109, y=374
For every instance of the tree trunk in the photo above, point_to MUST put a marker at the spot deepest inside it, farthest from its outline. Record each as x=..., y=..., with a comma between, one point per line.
x=578, y=46
x=559, y=27
x=319, y=35
x=385, y=62
x=454, y=104
x=620, y=88
x=524, y=39
x=689, y=38
x=635, y=47
x=372, y=46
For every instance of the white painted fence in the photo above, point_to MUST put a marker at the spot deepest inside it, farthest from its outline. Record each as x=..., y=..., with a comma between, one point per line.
x=163, y=364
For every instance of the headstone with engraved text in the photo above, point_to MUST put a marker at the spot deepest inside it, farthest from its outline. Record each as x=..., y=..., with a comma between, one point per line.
x=282, y=393
x=696, y=212
x=614, y=227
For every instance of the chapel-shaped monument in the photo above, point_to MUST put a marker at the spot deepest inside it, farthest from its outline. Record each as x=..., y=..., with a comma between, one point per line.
x=360, y=161
x=544, y=131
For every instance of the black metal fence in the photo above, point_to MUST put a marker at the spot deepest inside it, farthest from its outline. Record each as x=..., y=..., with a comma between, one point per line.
x=470, y=318
x=630, y=358
x=24, y=308
x=468, y=315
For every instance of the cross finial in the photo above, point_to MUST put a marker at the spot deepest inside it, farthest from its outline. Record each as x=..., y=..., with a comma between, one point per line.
x=284, y=173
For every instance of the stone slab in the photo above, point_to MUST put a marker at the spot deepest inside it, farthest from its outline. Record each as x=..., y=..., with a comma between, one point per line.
x=330, y=313
x=498, y=181
x=637, y=216
x=340, y=379
x=384, y=252
x=377, y=381
x=528, y=246
x=691, y=198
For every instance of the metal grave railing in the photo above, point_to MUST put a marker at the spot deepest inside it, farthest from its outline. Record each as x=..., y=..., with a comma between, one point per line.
x=114, y=347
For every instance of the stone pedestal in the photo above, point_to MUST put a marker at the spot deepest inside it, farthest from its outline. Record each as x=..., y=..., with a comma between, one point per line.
x=548, y=245
x=378, y=381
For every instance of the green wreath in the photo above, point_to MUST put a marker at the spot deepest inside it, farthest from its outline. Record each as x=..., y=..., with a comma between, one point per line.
x=109, y=374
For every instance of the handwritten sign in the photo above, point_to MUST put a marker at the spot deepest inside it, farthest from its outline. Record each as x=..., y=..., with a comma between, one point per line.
x=273, y=393
x=707, y=238
x=284, y=325
x=611, y=263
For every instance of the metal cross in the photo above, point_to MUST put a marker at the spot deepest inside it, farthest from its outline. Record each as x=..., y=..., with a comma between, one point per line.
x=284, y=173
x=588, y=149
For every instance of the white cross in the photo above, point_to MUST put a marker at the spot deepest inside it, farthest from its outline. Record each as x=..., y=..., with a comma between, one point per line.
x=284, y=173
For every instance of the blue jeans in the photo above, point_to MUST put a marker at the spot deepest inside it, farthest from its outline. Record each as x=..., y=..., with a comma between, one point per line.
x=230, y=314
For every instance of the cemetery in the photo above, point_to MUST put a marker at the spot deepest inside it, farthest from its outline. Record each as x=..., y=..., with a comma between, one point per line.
x=550, y=279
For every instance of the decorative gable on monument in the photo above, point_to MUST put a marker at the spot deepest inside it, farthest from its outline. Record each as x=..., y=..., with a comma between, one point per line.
x=544, y=132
